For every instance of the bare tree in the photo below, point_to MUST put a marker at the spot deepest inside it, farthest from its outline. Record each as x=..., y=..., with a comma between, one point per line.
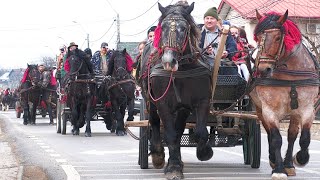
x=48, y=61
x=314, y=47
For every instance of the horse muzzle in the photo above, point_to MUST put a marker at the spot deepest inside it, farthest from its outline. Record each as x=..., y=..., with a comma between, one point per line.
x=169, y=63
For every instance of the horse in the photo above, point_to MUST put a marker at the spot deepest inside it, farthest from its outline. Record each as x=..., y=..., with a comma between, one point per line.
x=29, y=91
x=175, y=83
x=48, y=93
x=80, y=90
x=120, y=87
x=6, y=101
x=286, y=84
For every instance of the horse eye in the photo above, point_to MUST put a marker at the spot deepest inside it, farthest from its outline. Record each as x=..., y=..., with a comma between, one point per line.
x=278, y=39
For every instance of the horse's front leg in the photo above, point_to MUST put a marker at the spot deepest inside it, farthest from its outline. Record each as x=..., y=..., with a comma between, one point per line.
x=204, y=150
x=156, y=146
x=75, y=119
x=119, y=117
x=49, y=110
x=174, y=168
x=33, y=113
x=302, y=157
x=26, y=113
x=88, y=117
x=292, y=136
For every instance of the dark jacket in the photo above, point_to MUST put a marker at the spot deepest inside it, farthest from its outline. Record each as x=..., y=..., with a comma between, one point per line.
x=231, y=45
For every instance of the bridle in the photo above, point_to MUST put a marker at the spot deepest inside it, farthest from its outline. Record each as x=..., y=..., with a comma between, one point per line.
x=261, y=49
x=120, y=68
x=171, y=43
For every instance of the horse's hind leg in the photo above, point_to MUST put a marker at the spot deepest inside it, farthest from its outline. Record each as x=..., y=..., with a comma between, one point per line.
x=156, y=146
x=204, y=150
x=292, y=136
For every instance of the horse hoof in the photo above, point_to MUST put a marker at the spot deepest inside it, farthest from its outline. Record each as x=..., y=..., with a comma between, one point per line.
x=25, y=123
x=51, y=123
x=121, y=133
x=174, y=175
x=279, y=176
x=158, y=160
x=88, y=134
x=290, y=171
x=205, y=153
x=301, y=158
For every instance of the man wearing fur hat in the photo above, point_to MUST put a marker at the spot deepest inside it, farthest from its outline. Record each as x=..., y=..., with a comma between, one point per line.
x=210, y=37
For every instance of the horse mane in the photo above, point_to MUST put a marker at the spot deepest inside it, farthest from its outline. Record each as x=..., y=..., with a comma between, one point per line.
x=26, y=72
x=128, y=58
x=178, y=10
x=289, y=28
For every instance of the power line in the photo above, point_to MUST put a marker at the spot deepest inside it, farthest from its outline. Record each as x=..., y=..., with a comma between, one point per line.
x=140, y=31
x=112, y=7
x=104, y=33
x=141, y=14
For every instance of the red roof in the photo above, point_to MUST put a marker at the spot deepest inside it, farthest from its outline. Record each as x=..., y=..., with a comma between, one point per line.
x=296, y=8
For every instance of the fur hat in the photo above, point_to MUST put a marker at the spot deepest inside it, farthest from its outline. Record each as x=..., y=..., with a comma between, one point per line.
x=72, y=44
x=212, y=12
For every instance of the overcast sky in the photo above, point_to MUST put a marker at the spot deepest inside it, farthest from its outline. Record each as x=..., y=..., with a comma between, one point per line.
x=31, y=29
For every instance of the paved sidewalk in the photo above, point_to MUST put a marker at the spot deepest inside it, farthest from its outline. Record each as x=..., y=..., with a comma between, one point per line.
x=9, y=167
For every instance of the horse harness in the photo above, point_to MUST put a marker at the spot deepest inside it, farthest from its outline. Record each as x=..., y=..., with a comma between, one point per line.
x=313, y=79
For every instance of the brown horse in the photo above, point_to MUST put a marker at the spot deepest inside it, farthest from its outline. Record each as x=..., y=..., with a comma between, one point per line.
x=286, y=84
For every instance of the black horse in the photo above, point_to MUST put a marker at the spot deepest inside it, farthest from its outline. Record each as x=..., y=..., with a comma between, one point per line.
x=80, y=90
x=120, y=86
x=48, y=93
x=176, y=83
x=30, y=94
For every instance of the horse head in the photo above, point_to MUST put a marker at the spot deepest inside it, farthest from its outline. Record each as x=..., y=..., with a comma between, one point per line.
x=276, y=37
x=33, y=74
x=119, y=59
x=46, y=78
x=176, y=34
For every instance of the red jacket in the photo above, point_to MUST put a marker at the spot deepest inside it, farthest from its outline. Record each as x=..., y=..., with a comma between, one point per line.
x=6, y=92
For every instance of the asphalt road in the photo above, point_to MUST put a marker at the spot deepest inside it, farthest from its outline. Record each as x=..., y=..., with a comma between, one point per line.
x=107, y=156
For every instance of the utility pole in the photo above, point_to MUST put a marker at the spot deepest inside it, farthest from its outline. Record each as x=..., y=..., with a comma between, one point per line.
x=88, y=39
x=118, y=30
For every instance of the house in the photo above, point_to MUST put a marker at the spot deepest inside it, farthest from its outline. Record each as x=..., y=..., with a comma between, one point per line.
x=131, y=47
x=305, y=13
x=15, y=77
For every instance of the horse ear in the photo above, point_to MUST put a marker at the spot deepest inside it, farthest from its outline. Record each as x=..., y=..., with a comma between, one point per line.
x=161, y=8
x=258, y=15
x=283, y=18
x=190, y=8
x=124, y=51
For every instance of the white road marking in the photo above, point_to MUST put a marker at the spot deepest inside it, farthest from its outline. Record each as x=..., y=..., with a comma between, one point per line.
x=96, y=152
x=71, y=173
x=45, y=147
x=49, y=150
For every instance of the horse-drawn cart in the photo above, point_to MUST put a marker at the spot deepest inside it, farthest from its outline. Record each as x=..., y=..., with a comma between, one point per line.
x=101, y=112
x=227, y=128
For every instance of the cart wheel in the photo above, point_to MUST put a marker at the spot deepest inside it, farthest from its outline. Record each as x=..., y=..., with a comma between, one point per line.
x=143, y=142
x=64, y=119
x=255, y=143
x=246, y=144
x=143, y=148
x=58, y=124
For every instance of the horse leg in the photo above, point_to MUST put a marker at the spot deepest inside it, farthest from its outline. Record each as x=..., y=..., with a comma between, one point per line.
x=174, y=168
x=33, y=113
x=26, y=113
x=119, y=117
x=88, y=117
x=130, y=109
x=292, y=136
x=49, y=110
x=302, y=157
x=74, y=119
x=204, y=150
x=156, y=146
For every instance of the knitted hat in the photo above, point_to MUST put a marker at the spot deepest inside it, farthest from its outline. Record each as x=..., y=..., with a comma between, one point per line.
x=212, y=12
